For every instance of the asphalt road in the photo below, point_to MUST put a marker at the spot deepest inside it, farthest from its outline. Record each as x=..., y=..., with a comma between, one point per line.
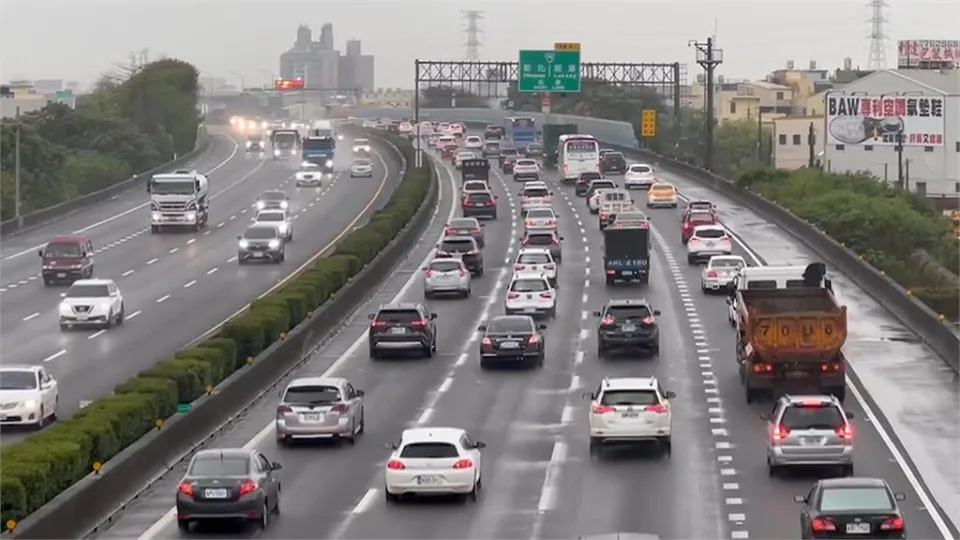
x=177, y=286
x=539, y=480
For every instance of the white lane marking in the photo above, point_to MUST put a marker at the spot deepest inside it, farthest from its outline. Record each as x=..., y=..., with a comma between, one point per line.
x=445, y=385
x=132, y=315
x=96, y=334
x=55, y=355
x=31, y=316
x=425, y=416
x=365, y=502
x=232, y=259
x=174, y=250
x=163, y=298
x=151, y=261
x=212, y=270
x=190, y=284
x=192, y=240
x=548, y=494
x=127, y=273
x=233, y=153
x=462, y=359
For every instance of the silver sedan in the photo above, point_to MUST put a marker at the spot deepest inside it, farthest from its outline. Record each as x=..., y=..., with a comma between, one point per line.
x=320, y=408
x=361, y=168
x=719, y=272
x=448, y=276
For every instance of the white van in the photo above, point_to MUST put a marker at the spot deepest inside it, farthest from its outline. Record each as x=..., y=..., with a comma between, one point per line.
x=775, y=277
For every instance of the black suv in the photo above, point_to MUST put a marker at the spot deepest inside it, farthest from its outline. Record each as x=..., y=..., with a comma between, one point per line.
x=627, y=325
x=464, y=247
x=479, y=204
x=583, y=182
x=512, y=338
x=613, y=162
x=402, y=327
x=506, y=153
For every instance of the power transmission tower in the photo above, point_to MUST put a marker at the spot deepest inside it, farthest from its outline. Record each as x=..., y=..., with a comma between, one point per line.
x=473, y=32
x=878, y=39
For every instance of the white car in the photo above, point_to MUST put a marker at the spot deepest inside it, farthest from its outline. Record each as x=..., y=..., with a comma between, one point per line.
x=719, y=272
x=707, y=241
x=457, y=130
x=473, y=142
x=639, y=175
x=443, y=128
x=434, y=461
x=535, y=194
x=536, y=261
x=458, y=159
x=472, y=186
x=542, y=217
x=370, y=124
x=446, y=276
x=309, y=175
x=593, y=203
x=29, y=396
x=405, y=128
x=91, y=302
x=361, y=146
x=630, y=410
x=361, y=168
x=279, y=219
x=443, y=141
x=530, y=293
x=525, y=170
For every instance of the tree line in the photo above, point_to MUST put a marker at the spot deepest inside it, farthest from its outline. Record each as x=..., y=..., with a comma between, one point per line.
x=118, y=130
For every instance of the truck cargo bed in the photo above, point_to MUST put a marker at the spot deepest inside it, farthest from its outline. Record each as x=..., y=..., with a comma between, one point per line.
x=796, y=324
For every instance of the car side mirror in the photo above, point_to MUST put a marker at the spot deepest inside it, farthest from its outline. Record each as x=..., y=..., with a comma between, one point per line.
x=799, y=499
x=670, y=394
x=482, y=328
x=541, y=326
x=484, y=224
x=900, y=496
x=587, y=395
x=850, y=415
x=391, y=446
x=360, y=393
x=47, y=385
x=656, y=313
x=371, y=316
x=433, y=316
x=63, y=295
x=479, y=444
x=275, y=466
x=597, y=313
x=561, y=238
x=765, y=416
x=424, y=269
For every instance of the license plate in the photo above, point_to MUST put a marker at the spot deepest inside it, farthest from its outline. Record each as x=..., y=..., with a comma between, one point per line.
x=629, y=328
x=858, y=528
x=509, y=345
x=82, y=317
x=463, y=231
x=258, y=254
x=627, y=272
x=61, y=274
x=710, y=244
x=400, y=330
x=813, y=441
x=428, y=480
x=796, y=374
x=630, y=415
x=530, y=310
x=311, y=418
x=215, y=493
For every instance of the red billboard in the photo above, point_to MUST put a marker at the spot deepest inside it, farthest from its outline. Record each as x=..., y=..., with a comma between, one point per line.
x=928, y=53
x=288, y=84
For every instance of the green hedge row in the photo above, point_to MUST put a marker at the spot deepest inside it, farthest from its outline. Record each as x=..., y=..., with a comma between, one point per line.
x=36, y=470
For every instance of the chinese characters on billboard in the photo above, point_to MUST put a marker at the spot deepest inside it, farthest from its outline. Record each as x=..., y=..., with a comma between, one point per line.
x=881, y=120
x=288, y=84
x=933, y=53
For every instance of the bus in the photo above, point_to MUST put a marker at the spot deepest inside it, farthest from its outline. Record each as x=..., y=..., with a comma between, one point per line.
x=521, y=130
x=577, y=154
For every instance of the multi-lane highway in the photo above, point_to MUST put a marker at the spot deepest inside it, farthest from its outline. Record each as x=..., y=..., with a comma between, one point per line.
x=176, y=286
x=539, y=479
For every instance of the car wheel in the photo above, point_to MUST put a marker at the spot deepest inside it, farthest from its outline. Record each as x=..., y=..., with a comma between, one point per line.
x=42, y=421
x=595, y=447
x=363, y=423
x=110, y=319
x=374, y=354
x=691, y=259
x=484, y=365
x=847, y=470
x=473, y=493
x=56, y=408
x=352, y=438
x=390, y=497
x=276, y=505
x=183, y=525
x=264, y=519
x=540, y=360
x=120, y=316
x=427, y=295
x=666, y=445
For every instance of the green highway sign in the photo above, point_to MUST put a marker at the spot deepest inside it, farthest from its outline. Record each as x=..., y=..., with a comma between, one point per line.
x=549, y=71
x=184, y=408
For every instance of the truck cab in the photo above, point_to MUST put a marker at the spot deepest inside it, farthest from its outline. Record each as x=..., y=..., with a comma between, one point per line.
x=180, y=199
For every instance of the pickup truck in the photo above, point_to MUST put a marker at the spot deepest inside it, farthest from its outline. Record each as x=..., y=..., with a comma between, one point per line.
x=790, y=338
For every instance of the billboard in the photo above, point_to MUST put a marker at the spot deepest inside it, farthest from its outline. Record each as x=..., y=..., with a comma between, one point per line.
x=913, y=53
x=880, y=120
x=288, y=84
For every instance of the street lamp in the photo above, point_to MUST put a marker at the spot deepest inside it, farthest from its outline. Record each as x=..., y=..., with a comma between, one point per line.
x=243, y=84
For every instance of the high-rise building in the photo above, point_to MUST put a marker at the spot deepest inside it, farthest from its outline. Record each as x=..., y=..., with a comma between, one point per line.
x=322, y=67
x=356, y=68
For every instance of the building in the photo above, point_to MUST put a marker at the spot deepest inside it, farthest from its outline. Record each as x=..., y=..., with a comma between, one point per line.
x=866, y=118
x=793, y=144
x=323, y=68
x=21, y=97
x=753, y=98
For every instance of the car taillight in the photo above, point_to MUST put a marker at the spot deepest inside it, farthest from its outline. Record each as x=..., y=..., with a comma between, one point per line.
x=473, y=252
x=822, y=525
x=892, y=524
x=513, y=296
x=247, y=487
x=607, y=321
x=555, y=241
x=526, y=242
x=694, y=240
x=524, y=197
x=476, y=230
x=519, y=266
x=419, y=324
x=528, y=223
x=551, y=222
x=463, y=464
x=836, y=366
x=659, y=408
x=283, y=409
x=724, y=238
x=548, y=198
x=603, y=409
x=546, y=295
x=649, y=319
x=763, y=368
x=441, y=253
x=396, y=465
x=549, y=266
x=533, y=340
x=467, y=203
x=779, y=433
x=461, y=272
x=186, y=489
x=378, y=324
x=845, y=432
x=450, y=231
x=712, y=275
x=428, y=273
x=339, y=408
x=486, y=342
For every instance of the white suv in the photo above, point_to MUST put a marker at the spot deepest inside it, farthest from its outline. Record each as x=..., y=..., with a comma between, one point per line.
x=629, y=410
x=707, y=241
x=277, y=218
x=91, y=302
x=530, y=293
x=536, y=261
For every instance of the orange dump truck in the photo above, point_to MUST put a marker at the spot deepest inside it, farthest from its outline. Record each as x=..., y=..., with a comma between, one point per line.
x=791, y=339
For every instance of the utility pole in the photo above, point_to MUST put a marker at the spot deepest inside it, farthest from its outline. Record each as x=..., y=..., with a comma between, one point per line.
x=709, y=58
x=759, y=136
x=811, y=143
x=899, y=148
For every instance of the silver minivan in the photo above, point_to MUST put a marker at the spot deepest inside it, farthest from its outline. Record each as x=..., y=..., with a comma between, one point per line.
x=446, y=275
x=809, y=431
x=320, y=408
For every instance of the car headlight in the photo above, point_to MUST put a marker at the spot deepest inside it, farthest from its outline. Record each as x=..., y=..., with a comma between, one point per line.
x=30, y=404
x=65, y=309
x=156, y=216
x=329, y=163
x=249, y=144
x=274, y=244
x=260, y=205
x=340, y=137
x=190, y=216
x=243, y=244
x=283, y=228
x=284, y=204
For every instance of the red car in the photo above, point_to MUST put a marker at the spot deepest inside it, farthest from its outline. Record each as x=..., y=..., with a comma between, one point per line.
x=695, y=219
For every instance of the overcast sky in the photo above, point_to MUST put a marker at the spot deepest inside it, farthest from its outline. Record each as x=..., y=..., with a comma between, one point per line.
x=79, y=40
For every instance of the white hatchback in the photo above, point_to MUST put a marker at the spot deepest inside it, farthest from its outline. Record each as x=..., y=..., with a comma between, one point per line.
x=541, y=218
x=434, y=461
x=707, y=241
x=530, y=293
x=537, y=261
x=639, y=175
x=473, y=142
x=29, y=394
x=446, y=276
x=630, y=410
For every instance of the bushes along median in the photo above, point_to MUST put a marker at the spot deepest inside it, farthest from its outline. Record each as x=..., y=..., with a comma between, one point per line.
x=37, y=469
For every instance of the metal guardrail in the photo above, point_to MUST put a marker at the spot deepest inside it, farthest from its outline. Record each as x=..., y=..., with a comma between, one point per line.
x=60, y=210
x=938, y=334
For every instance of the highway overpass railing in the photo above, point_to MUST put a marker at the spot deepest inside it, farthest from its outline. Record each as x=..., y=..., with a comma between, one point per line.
x=60, y=210
x=929, y=326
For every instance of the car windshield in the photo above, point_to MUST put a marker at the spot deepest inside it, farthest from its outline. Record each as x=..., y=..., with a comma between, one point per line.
x=458, y=246
x=176, y=187
x=613, y=155
x=398, y=315
x=865, y=499
x=475, y=186
x=273, y=196
x=539, y=239
x=799, y=417
x=492, y=146
x=700, y=217
x=18, y=380
x=539, y=213
x=218, y=465
x=312, y=395
x=533, y=258
x=474, y=139
x=535, y=192
x=623, y=313
x=588, y=176
x=510, y=325
x=270, y=216
x=526, y=163
x=87, y=291
x=509, y=152
x=725, y=263
x=640, y=168
x=260, y=233
x=464, y=223
x=529, y=285
x=361, y=142
x=62, y=250
x=602, y=185
x=361, y=162
x=629, y=397
x=710, y=233
x=429, y=450
x=446, y=266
